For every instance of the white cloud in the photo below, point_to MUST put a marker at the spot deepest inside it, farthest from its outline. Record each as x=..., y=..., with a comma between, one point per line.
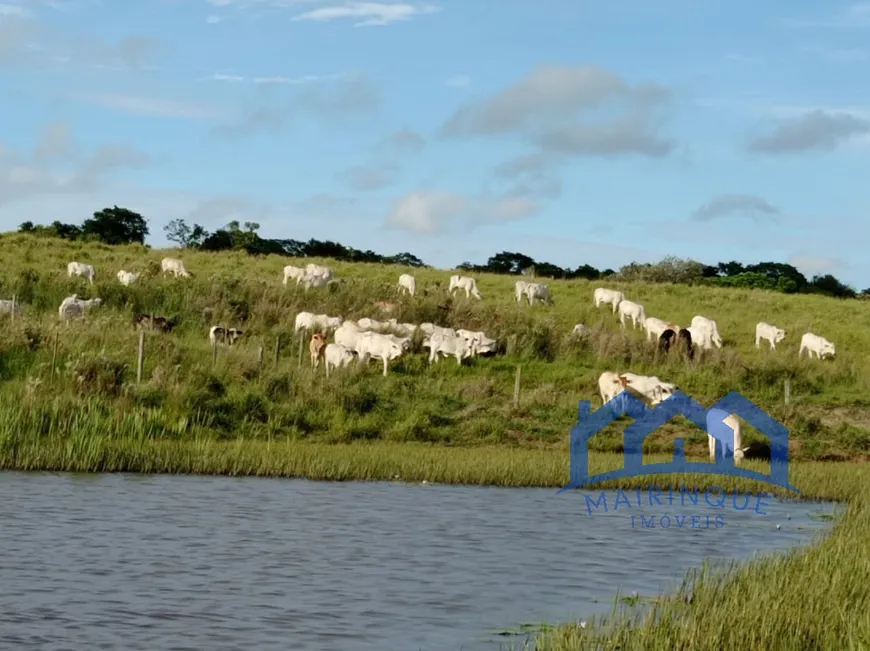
x=275, y=80
x=369, y=14
x=436, y=211
x=459, y=81
x=60, y=165
x=151, y=106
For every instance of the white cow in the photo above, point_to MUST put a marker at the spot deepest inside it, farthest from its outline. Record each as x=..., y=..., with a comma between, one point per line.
x=456, y=346
x=479, y=341
x=405, y=329
x=609, y=386
x=173, y=266
x=632, y=310
x=127, y=278
x=377, y=346
x=371, y=324
x=739, y=451
x=73, y=306
x=816, y=344
x=707, y=329
x=464, y=282
x=80, y=269
x=649, y=387
x=309, y=321
x=348, y=335
x=296, y=273
x=313, y=280
x=336, y=355
x=520, y=290
x=407, y=283
x=700, y=337
x=312, y=269
x=10, y=307
x=430, y=329
x=655, y=327
x=538, y=292
x=771, y=333
x=608, y=296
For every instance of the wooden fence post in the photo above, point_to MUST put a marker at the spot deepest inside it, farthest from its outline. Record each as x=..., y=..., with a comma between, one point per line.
x=517, y=386
x=787, y=391
x=277, y=347
x=140, y=357
x=214, y=353
x=12, y=313
x=301, y=342
x=260, y=360
x=54, y=353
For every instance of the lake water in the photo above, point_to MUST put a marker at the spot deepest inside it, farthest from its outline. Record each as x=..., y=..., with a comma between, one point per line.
x=182, y=562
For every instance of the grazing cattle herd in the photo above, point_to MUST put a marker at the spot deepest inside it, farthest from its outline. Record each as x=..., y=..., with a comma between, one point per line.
x=386, y=341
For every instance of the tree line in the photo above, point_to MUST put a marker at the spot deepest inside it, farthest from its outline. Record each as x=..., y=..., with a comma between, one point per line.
x=122, y=226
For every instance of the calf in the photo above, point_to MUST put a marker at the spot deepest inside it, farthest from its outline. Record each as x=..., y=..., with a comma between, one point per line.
x=665, y=339
x=538, y=292
x=706, y=332
x=290, y=271
x=648, y=387
x=455, y=346
x=315, y=347
x=336, y=355
x=608, y=296
x=633, y=311
x=373, y=345
x=464, y=282
x=684, y=338
x=771, y=333
x=579, y=330
x=220, y=334
x=175, y=267
x=407, y=283
x=127, y=278
x=80, y=269
x=732, y=422
x=655, y=327
x=151, y=321
x=73, y=306
x=815, y=344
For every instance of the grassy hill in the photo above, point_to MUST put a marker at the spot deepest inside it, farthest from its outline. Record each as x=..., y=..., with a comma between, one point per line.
x=183, y=395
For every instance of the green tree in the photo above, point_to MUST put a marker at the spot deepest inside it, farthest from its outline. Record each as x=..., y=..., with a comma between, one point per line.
x=187, y=237
x=116, y=226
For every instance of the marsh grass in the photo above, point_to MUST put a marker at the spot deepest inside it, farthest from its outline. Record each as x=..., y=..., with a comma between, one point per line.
x=184, y=396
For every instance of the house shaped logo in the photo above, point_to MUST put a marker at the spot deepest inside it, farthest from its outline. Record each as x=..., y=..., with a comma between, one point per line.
x=647, y=420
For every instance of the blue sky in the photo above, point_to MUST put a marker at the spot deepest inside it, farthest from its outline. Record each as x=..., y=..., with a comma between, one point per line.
x=572, y=131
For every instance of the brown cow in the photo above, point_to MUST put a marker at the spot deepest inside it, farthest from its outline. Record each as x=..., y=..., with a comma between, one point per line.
x=315, y=347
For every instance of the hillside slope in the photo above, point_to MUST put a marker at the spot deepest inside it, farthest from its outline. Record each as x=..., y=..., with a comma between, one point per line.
x=183, y=395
